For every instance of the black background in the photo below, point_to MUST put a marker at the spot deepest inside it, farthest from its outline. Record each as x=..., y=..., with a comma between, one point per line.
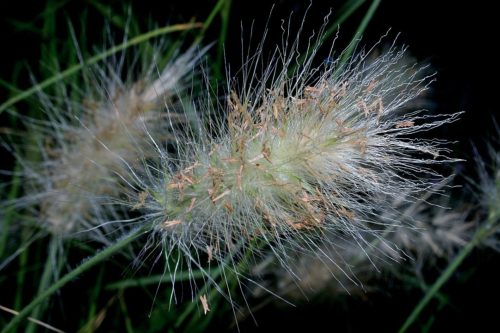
x=456, y=38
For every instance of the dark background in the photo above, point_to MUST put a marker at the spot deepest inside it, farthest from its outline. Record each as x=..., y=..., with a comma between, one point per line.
x=456, y=38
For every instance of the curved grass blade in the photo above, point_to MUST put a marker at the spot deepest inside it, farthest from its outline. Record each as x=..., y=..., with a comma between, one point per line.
x=86, y=265
x=480, y=234
x=74, y=69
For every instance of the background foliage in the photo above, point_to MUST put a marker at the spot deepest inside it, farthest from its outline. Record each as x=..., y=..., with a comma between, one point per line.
x=455, y=39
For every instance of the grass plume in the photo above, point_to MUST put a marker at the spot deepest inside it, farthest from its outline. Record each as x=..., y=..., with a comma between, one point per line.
x=297, y=159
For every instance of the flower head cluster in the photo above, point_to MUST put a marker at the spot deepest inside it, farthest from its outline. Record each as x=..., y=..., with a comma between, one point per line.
x=294, y=156
x=425, y=233
x=91, y=136
x=297, y=160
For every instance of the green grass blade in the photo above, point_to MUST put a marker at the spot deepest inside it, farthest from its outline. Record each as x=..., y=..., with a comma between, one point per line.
x=74, y=69
x=437, y=285
x=224, y=15
x=208, y=22
x=124, y=310
x=21, y=272
x=6, y=221
x=480, y=234
x=44, y=283
x=160, y=278
x=359, y=32
x=86, y=265
x=108, y=13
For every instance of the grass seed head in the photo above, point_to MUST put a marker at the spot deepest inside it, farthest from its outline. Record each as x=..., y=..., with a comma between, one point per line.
x=297, y=159
x=488, y=187
x=425, y=233
x=92, y=134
